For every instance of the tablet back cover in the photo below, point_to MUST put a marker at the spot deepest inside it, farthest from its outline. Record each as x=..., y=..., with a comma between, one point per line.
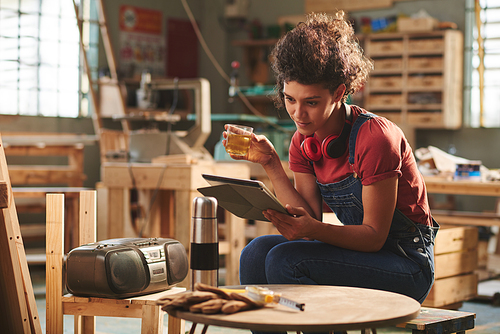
x=242, y=200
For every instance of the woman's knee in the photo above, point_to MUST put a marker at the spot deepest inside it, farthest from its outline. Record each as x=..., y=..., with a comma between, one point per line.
x=253, y=258
x=257, y=249
x=282, y=263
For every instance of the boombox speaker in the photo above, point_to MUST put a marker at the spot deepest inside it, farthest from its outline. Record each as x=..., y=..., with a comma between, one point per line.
x=126, y=267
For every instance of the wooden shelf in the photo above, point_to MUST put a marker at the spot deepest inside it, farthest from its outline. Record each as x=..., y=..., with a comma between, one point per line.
x=418, y=76
x=255, y=42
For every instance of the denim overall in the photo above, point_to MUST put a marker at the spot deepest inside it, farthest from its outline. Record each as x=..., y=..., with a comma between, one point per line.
x=405, y=264
x=406, y=238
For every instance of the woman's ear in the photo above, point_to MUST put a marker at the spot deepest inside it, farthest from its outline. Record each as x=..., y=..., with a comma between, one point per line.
x=339, y=93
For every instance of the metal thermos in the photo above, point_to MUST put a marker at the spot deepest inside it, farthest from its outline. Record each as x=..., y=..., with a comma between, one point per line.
x=205, y=242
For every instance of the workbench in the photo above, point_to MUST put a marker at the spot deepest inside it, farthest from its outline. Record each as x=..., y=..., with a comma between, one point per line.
x=439, y=185
x=31, y=182
x=42, y=145
x=173, y=188
x=463, y=284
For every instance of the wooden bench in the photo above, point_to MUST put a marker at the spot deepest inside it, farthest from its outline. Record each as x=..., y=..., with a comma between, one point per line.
x=436, y=321
x=433, y=320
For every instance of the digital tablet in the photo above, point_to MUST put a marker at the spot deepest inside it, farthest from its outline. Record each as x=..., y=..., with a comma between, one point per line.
x=244, y=198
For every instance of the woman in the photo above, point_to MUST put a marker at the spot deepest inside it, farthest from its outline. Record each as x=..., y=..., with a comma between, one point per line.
x=359, y=164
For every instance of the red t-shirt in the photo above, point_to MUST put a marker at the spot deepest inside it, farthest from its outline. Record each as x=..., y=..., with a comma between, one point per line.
x=381, y=152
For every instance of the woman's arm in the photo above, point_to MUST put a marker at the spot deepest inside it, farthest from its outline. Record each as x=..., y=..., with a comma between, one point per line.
x=379, y=203
x=262, y=152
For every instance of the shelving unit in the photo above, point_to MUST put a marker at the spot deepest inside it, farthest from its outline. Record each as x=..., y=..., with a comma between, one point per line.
x=256, y=58
x=417, y=80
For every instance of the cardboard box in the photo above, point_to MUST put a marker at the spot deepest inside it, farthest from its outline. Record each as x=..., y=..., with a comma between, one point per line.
x=408, y=24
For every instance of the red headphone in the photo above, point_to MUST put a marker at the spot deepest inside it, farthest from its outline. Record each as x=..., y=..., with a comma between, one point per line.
x=333, y=146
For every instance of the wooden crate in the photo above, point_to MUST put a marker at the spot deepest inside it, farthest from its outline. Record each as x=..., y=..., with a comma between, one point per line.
x=425, y=81
x=408, y=24
x=386, y=46
x=387, y=82
x=455, y=257
x=388, y=64
x=425, y=63
x=385, y=99
x=426, y=44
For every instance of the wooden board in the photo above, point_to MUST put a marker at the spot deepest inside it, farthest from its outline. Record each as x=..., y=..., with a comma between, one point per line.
x=346, y=5
x=54, y=258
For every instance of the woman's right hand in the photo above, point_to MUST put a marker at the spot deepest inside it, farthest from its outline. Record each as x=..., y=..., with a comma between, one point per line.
x=261, y=150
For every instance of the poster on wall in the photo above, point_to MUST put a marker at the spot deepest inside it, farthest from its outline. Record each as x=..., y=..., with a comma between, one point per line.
x=182, y=62
x=142, y=42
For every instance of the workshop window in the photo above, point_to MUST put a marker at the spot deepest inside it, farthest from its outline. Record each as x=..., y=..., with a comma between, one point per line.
x=484, y=53
x=40, y=65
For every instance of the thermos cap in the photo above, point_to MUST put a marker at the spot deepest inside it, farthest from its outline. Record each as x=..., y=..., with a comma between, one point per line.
x=205, y=207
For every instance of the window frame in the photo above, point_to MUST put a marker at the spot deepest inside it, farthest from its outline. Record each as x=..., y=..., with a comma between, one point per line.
x=52, y=89
x=490, y=116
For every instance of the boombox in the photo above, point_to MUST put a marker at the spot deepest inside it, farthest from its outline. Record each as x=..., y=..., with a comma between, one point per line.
x=125, y=267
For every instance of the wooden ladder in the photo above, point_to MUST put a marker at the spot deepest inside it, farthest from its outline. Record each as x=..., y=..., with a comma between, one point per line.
x=18, y=310
x=112, y=87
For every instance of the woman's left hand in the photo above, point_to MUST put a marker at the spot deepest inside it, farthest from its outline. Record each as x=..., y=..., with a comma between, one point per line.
x=297, y=226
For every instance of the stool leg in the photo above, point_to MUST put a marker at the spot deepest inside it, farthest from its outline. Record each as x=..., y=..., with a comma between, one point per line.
x=193, y=328
x=152, y=319
x=175, y=325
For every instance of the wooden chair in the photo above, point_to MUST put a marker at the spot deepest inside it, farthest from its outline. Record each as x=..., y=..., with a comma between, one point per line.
x=86, y=308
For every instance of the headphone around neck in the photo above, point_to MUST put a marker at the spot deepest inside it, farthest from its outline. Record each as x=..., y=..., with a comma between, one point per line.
x=333, y=146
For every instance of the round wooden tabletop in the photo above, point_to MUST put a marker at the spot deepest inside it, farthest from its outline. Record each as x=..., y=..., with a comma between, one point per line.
x=327, y=308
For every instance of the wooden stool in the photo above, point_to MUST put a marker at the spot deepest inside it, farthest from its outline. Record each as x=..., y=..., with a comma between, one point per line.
x=86, y=308
x=433, y=320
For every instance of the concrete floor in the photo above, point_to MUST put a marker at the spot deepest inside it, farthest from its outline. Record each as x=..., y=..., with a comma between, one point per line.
x=487, y=315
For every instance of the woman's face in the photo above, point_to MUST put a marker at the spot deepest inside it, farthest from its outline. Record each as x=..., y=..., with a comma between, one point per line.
x=311, y=107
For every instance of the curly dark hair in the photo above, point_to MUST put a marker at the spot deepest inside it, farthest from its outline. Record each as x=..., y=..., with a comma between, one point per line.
x=323, y=50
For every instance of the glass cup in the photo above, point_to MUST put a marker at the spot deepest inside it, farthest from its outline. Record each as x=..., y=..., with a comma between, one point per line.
x=238, y=139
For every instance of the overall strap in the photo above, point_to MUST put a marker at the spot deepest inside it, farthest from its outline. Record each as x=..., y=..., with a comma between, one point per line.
x=362, y=118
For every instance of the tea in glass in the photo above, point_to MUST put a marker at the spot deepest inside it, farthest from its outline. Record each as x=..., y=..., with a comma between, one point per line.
x=238, y=139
